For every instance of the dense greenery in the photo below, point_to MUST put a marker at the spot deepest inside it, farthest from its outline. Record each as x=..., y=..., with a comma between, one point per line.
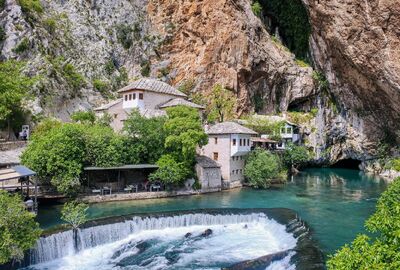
x=264, y=125
x=84, y=117
x=221, y=105
x=18, y=229
x=148, y=135
x=30, y=6
x=262, y=168
x=295, y=155
x=292, y=19
x=102, y=87
x=382, y=250
x=184, y=133
x=74, y=213
x=14, y=89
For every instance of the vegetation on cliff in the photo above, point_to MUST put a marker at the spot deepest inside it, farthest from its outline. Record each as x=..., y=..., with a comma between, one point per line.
x=380, y=251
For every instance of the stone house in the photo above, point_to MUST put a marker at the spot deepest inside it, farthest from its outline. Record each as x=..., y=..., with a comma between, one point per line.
x=149, y=96
x=209, y=174
x=229, y=144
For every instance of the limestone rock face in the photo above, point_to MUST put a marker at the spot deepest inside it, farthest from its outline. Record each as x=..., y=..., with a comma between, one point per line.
x=357, y=44
x=222, y=41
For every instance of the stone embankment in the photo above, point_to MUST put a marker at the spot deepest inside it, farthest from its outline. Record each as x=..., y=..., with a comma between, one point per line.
x=10, y=153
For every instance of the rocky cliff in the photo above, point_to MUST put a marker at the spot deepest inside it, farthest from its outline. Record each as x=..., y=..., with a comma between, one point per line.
x=85, y=50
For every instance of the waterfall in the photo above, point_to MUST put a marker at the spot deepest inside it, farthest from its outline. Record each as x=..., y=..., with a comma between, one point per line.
x=62, y=244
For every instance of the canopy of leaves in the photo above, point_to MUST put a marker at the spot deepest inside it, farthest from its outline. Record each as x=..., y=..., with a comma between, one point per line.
x=74, y=213
x=381, y=252
x=265, y=126
x=14, y=88
x=170, y=171
x=184, y=133
x=221, y=104
x=147, y=134
x=18, y=229
x=295, y=155
x=84, y=117
x=262, y=167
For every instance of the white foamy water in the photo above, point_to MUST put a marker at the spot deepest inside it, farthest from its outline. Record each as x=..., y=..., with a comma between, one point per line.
x=160, y=243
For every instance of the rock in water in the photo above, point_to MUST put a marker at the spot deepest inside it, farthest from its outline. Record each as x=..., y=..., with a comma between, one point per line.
x=206, y=233
x=259, y=263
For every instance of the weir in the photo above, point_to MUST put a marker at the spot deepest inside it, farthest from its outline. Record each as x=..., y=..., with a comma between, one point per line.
x=110, y=230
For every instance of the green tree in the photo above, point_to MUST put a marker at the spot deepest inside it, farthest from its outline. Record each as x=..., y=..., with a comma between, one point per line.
x=84, y=117
x=256, y=8
x=58, y=157
x=295, y=155
x=262, y=167
x=184, y=133
x=18, y=229
x=74, y=213
x=222, y=103
x=382, y=251
x=170, y=171
x=14, y=88
x=147, y=136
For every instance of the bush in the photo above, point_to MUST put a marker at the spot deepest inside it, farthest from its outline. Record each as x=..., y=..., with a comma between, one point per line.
x=102, y=87
x=84, y=117
x=262, y=167
x=74, y=213
x=50, y=25
x=30, y=6
x=145, y=68
x=18, y=228
x=124, y=35
x=170, y=171
x=295, y=155
x=300, y=117
x=256, y=8
x=22, y=46
x=73, y=77
x=381, y=251
x=3, y=35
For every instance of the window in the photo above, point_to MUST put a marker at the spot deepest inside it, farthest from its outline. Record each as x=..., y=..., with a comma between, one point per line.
x=126, y=97
x=248, y=142
x=134, y=96
x=240, y=142
x=140, y=95
x=216, y=140
x=215, y=156
x=283, y=130
x=289, y=130
x=232, y=172
x=130, y=96
x=237, y=171
x=234, y=142
x=233, y=158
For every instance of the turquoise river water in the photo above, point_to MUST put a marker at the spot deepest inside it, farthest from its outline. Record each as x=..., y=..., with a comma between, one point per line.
x=334, y=202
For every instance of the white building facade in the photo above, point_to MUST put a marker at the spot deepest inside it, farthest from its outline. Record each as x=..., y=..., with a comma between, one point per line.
x=229, y=144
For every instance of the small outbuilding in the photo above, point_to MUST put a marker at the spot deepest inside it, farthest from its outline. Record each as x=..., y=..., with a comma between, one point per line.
x=209, y=174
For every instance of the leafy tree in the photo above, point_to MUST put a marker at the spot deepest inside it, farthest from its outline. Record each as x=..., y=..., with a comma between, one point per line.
x=14, y=87
x=18, y=229
x=58, y=157
x=184, y=133
x=104, y=120
x=380, y=252
x=74, y=213
x=84, y=117
x=147, y=136
x=222, y=103
x=170, y=171
x=262, y=167
x=295, y=155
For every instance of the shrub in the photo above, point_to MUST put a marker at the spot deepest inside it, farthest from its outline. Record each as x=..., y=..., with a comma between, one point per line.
x=145, y=68
x=73, y=77
x=18, y=228
x=302, y=63
x=109, y=67
x=295, y=155
x=22, y=46
x=187, y=86
x=300, y=117
x=256, y=8
x=30, y=6
x=74, y=213
x=84, y=117
x=262, y=167
x=381, y=250
x=3, y=35
x=170, y=171
x=321, y=80
x=50, y=25
x=124, y=35
x=102, y=87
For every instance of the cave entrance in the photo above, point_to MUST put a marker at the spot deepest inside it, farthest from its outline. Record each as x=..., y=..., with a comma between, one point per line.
x=348, y=163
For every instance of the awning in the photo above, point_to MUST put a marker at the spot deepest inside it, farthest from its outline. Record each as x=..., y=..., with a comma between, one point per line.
x=15, y=172
x=120, y=168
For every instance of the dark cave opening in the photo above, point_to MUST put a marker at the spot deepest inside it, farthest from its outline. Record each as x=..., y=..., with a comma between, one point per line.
x=348, y=163
x=291, y=18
